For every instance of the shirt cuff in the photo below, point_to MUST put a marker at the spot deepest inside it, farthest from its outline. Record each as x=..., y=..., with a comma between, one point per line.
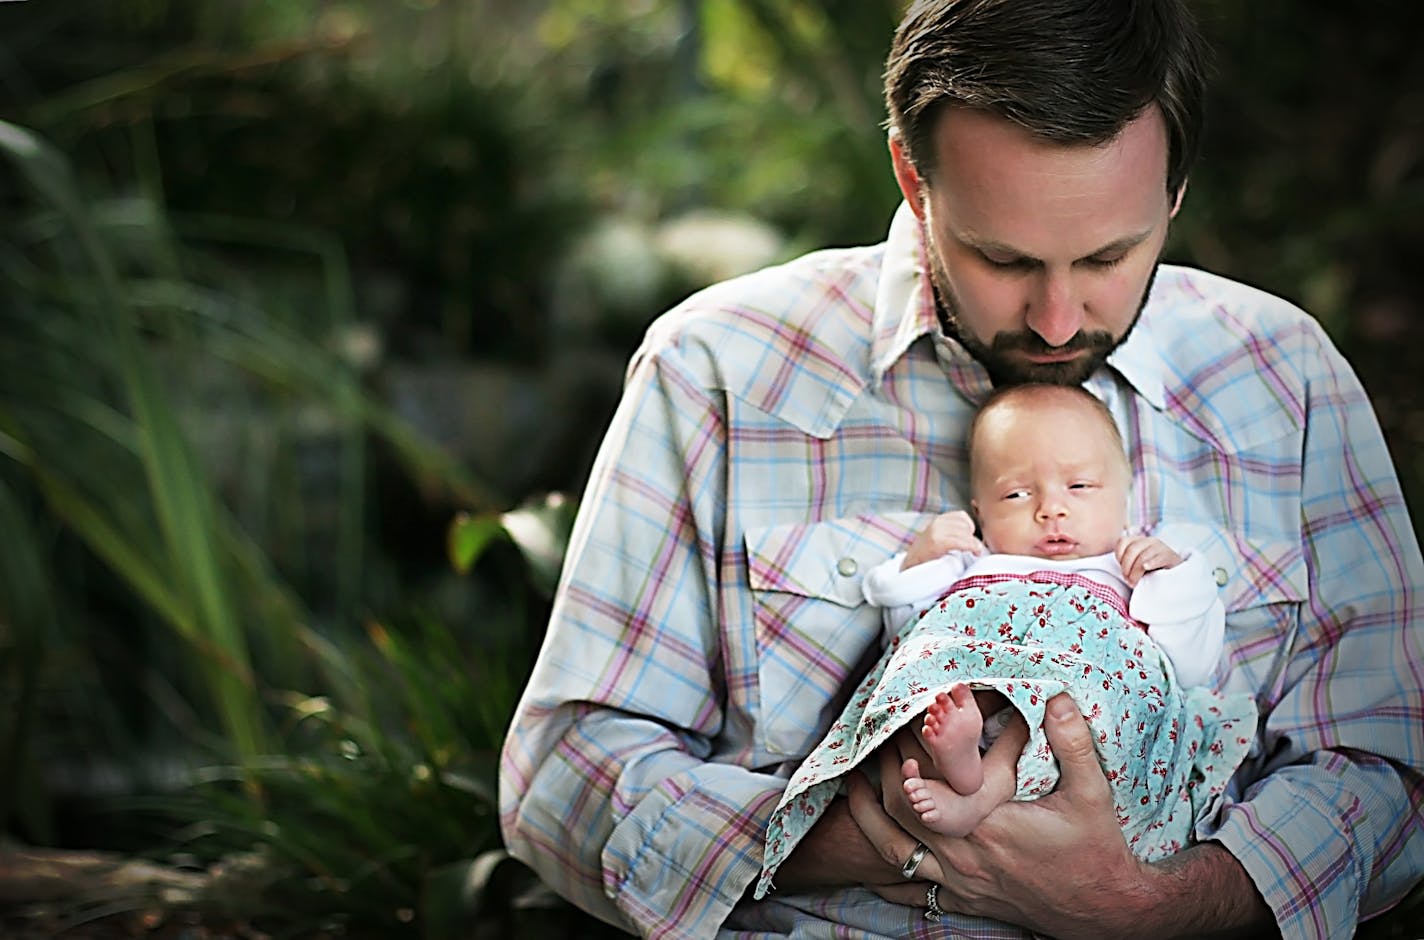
x=679, y=863
x=1295, y=840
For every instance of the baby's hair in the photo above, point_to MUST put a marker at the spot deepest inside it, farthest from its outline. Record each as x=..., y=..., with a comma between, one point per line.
x=1030, y=391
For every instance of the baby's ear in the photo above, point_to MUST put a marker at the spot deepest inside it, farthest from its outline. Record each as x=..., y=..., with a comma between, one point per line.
x=978, y=523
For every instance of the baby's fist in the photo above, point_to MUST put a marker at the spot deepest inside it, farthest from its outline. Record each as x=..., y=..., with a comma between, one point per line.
x=947, y=532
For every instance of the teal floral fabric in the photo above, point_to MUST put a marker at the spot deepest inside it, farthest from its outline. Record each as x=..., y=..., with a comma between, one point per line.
x=1167, y=751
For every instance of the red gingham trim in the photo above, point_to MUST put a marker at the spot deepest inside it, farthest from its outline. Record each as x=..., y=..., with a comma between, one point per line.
x=1099, y=590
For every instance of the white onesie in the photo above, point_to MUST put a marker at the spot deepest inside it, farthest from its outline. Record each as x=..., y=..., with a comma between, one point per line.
x=1180, y=606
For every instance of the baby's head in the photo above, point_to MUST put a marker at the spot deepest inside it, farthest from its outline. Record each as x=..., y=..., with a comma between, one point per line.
x=1048, y=474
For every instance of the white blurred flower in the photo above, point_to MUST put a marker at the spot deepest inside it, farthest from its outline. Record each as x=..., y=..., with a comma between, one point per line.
x=705, y=246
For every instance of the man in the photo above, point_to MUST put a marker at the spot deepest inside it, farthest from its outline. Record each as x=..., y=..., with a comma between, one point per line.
x=780, y=430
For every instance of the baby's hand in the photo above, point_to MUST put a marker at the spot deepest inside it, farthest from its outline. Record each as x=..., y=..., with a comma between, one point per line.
x=947, y=532
x=1139, y=554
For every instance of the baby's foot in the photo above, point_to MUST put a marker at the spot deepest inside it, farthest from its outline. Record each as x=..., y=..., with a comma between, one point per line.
x=951, y=735
x=925, y=795
x=939, y=807
x=943, y=810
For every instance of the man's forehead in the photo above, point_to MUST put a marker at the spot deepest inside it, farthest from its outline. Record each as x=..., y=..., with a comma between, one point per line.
x=959, y=127
x=990, y=171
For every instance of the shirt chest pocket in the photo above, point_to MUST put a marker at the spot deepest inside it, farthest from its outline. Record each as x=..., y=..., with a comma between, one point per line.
x=812, y=624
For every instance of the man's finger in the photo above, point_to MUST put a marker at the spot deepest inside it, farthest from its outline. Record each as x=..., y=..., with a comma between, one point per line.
x=893, y=801
x=1072, y=742
x=894, y=844
x=910, y=893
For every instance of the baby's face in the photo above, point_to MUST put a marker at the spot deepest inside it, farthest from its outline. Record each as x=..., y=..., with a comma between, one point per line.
x=1049, y=480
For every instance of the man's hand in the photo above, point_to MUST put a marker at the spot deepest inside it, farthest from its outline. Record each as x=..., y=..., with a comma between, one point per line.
x=1139, y=554
x=947, y=532
x=836, y=852
x=1059, y=864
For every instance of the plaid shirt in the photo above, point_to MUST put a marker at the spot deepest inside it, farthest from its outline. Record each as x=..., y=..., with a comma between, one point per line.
x=782, y=432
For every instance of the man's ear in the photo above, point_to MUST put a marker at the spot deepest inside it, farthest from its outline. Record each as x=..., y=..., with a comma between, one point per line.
x=911, y=185
x=1177, y=202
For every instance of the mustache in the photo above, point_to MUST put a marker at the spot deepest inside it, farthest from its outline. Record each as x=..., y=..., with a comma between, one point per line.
x=1027, y=341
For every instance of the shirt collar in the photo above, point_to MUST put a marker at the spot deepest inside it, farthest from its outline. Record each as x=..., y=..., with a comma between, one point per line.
x=904, y=308
x=1140, y=362
x=905, y=311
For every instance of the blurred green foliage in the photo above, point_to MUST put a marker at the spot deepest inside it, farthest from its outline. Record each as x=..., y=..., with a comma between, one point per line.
x=146, y=634
x=223, y=584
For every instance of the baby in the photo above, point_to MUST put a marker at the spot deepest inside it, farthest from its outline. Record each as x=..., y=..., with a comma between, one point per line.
x=1049, y=482
x=1057, y=597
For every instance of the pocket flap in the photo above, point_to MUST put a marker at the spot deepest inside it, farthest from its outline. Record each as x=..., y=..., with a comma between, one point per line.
x=1250, y=571
x=827, y=559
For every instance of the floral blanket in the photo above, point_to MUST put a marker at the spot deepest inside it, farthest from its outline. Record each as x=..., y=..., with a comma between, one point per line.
x=1166, y=750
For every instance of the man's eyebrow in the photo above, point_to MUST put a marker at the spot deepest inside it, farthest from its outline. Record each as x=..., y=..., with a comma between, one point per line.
x=1125, y=243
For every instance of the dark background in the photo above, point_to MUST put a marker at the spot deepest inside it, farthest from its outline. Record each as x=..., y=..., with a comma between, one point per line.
x=311, y=280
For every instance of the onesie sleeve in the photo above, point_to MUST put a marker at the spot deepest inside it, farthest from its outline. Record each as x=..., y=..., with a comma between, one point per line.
x=903, y=595
x=1185, y=616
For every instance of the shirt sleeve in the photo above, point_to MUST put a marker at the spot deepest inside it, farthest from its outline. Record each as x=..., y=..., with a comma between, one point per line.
x=1185, y=617
x=606, y=786
x=1331, y=832
x=904, y=593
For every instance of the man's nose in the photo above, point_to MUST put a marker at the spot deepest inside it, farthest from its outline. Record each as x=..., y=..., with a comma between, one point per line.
x=1056, y=313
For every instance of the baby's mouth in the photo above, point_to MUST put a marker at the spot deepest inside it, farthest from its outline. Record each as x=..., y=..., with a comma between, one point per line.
x=1056, y=544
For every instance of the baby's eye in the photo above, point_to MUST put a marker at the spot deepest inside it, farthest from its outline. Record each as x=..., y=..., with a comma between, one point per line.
x=1016, y=494
x=1080, y=486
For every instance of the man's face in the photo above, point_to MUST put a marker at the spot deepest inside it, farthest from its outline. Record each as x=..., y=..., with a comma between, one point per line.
x=1042, y=254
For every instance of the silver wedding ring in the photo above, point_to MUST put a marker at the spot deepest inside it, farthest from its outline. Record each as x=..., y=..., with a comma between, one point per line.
x=912, y=864
x=933, y=912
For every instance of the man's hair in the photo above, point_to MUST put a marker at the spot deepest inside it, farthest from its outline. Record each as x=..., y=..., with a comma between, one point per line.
x=1069, y=71
x=1030, y=392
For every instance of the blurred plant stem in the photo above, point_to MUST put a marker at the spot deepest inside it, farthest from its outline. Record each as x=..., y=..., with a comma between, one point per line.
x=194, y=591
x=87, y=408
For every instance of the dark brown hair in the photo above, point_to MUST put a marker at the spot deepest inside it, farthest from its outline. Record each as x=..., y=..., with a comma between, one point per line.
x=1070, y=71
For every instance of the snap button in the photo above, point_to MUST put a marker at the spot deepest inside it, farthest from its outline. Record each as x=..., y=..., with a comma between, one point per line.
x=847, y=567
x=1221, y=577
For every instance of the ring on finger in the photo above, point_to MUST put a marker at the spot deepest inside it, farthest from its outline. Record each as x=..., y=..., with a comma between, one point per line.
x=933, y=912
x=912, y=864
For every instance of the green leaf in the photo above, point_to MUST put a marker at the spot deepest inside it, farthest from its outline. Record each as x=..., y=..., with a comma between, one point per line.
x=467, y=538
x=541, y=529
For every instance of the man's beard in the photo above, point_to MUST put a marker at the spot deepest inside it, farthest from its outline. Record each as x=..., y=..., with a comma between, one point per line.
x=997, y=356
